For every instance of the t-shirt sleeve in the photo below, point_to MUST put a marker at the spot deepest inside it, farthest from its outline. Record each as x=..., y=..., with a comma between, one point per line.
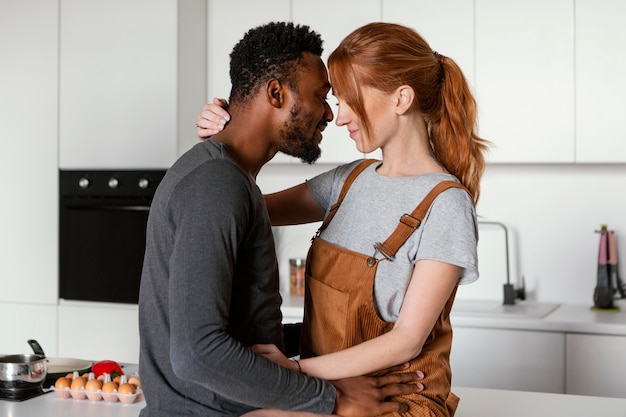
x=450, y=233
x=326, y=186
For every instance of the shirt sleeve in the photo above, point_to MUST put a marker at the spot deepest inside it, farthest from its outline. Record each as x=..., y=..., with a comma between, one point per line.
x=326, y=186
x=450, y=233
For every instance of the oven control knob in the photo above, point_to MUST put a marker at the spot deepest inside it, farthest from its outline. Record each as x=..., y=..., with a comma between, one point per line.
x=84, y=183
x=143, y=183
x=114, y=182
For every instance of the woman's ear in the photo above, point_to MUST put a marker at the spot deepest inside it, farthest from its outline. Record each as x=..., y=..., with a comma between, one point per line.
x=275, y=93
x=405, y=96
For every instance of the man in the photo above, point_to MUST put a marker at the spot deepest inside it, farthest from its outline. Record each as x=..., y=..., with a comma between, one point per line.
x=209, y=287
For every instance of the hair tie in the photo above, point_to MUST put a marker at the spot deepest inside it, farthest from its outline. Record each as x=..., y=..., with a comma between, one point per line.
x=439, y=57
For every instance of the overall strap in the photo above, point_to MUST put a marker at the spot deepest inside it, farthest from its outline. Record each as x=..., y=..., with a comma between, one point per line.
x=410, y=222
x=344, y=190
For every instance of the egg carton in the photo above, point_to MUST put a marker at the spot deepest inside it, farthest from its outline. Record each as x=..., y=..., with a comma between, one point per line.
x=109, y=397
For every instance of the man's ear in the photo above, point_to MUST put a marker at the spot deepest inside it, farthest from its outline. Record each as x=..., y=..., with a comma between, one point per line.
x=405, y=96
x=276, y=93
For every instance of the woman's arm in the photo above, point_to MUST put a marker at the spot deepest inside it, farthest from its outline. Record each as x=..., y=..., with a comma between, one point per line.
x=294, y=205
x=431, y=284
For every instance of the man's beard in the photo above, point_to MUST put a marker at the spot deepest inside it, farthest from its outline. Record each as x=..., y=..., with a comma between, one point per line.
x=292, y=138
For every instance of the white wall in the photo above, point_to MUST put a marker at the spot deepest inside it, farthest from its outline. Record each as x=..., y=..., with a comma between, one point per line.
x=551, y=211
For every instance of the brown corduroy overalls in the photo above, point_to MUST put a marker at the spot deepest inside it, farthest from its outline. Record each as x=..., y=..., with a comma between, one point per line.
x=340, y=312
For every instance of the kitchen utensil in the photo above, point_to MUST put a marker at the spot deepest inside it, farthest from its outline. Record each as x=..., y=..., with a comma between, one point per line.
x=613, y=262
x=603, y=292
x=58, y=367
x=21, y=374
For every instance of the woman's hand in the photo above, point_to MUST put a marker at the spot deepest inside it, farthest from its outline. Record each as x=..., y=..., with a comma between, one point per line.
x=272, y=353
x=212, y=119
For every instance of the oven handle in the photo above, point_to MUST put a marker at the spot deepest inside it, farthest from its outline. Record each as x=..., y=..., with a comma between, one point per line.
x=108, y=207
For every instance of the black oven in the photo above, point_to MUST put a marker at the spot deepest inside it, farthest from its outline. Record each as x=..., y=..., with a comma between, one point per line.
x=102, y=228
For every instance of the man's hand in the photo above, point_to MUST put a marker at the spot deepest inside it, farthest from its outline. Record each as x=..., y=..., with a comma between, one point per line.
x=366, y=395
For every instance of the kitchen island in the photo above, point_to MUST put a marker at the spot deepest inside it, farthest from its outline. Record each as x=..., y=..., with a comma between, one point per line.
x=475, y=402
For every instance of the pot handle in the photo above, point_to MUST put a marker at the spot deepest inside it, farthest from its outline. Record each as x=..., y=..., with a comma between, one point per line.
x=36, y=347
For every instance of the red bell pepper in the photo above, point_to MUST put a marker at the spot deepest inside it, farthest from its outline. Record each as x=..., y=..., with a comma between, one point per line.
x=107, y=367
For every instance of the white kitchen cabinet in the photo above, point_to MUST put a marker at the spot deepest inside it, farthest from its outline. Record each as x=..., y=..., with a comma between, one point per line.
x=97, y=331
x=226, y=25
x=595, y=365
x=600, y=82
x=21, y=322
x=337, y=145
x=118, y=83
x=525, y=79
x=28, y=153
x=452, y=36
x=508, y=359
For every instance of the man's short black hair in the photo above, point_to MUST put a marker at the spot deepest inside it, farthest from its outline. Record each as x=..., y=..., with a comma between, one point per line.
x=269, y=51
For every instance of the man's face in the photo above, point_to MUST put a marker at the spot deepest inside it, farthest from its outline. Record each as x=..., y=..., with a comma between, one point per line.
x=310, y=112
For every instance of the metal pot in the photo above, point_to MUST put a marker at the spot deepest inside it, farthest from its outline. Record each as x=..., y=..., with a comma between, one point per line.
x=21, y=373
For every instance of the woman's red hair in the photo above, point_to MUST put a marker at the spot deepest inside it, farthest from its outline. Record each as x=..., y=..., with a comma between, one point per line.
x=385, y=56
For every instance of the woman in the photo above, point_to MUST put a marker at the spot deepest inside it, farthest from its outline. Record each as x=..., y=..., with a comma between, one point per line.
x=379, y=290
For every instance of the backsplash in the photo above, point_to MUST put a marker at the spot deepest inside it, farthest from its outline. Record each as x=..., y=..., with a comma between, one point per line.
x=551, y=212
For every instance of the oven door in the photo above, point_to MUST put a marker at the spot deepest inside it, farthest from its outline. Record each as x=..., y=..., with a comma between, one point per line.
x=102, y=249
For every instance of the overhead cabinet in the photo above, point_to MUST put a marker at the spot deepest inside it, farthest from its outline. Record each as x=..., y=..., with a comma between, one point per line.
x=547, y=76
x=600, y=81
x=525, y=79
x=118, y=84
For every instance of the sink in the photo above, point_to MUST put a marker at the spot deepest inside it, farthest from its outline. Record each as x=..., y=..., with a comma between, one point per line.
x=495, y=309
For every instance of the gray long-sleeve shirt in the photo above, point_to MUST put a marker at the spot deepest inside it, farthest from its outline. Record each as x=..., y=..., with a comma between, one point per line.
x=209, y=289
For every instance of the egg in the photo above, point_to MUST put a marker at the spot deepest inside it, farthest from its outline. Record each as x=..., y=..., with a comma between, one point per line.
x=126, y=389
x=93, y=388
x=126, y=393
x=61, y=387
x=109, y=391
x=77, y=389
x=134, y=380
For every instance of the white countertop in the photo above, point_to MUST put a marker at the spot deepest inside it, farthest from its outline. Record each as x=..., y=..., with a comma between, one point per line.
x=475, y=402
x=481, y=402
x=567, y=318
x=524, y=315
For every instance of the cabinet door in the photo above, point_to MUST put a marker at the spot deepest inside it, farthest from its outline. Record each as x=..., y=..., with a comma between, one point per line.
x=525, y=79
x=97, y=332
x=452, y=36
x=596, y=365
x=28, y=153
x=600, y=81
x=118, y=83
x=508, y=359
x=21, y=322
x=227, y=23
x=337, y=147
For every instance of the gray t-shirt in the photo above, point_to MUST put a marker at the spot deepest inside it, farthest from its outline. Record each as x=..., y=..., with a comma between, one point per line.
x=209, y=289
x=371, y=211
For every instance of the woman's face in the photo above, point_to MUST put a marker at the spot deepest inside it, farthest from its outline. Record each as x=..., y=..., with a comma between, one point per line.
x=380, y=113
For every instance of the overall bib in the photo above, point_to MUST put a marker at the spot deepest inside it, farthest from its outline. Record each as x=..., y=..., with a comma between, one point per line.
x=340, y=311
